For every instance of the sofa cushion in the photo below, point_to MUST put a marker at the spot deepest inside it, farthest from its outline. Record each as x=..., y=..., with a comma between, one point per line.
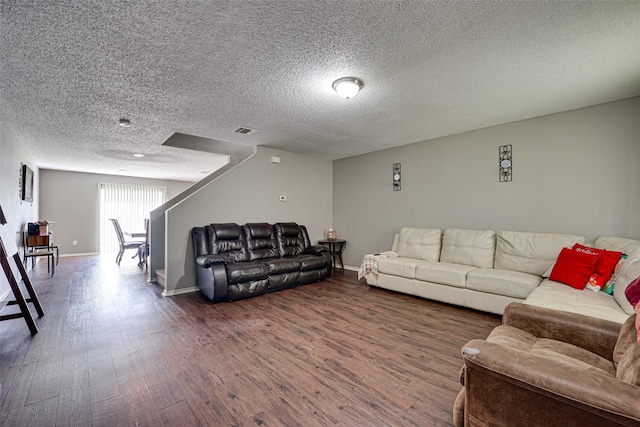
x=289, y=238
x=629, y=271
x=502, y=282
x=404, y=267
x=557, y=352
x=531, y=253
x=282, y=265
x=444, y=273
x=245, y=272
x=227, y=239
x=310, y=262
x=557, y=296
x=468, y=247
x=261, y=241
x=420, y=243
x=620, y=244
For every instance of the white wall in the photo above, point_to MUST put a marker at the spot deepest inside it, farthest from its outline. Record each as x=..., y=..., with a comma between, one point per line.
x=70, y=200
x=576, y=172
x=17, y=212
x=249, y=193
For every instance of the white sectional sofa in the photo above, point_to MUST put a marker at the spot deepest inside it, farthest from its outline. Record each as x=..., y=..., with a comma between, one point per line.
x=486, y=270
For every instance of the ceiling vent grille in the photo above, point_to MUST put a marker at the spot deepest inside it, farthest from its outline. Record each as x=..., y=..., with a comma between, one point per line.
x=243, y=130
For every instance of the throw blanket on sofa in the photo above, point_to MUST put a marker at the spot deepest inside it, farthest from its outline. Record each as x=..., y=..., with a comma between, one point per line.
x=370, y=263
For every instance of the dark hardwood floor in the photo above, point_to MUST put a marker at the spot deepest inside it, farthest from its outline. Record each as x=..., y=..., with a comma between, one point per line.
x=112, y=351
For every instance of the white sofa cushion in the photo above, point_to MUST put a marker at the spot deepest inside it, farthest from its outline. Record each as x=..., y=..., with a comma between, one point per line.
x=404, y=267
x=444, y=273
x=502, y=282
x=531, y=253
x=619, y=244
x=469, y=247
x=420, y=243
x=558, y=296
x=629, y=271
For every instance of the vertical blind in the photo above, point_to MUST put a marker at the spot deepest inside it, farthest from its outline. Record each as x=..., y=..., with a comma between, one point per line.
x=130, y=205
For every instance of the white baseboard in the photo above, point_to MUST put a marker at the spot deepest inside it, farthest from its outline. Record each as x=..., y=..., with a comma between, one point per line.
x=350, y=268
x=167, y=293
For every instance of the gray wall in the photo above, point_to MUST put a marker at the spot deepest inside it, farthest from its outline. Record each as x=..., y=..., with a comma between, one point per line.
x=249, y=193
x=70, y=200
x=575, y=172
x=17, y=212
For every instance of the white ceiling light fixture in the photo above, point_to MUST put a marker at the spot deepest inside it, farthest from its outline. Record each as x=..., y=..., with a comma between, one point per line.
x=348, y=87
x=138, y=155
x=125, y=123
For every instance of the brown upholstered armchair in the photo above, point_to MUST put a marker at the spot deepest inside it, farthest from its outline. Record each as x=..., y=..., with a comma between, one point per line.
x=545, y=367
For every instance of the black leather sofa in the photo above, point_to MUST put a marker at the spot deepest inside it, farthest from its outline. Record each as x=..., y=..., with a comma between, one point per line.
x=235, y=262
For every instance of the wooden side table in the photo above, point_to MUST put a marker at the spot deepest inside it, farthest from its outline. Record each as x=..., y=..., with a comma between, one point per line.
x=336, y=246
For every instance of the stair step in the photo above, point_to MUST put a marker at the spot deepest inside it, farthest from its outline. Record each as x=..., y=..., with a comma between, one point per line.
x=161, y=278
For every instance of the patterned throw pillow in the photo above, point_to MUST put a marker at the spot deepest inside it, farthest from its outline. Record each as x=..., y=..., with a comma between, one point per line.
x=608, y=287
x=595, y=282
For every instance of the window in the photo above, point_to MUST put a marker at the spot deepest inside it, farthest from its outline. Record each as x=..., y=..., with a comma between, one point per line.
x=130, y=205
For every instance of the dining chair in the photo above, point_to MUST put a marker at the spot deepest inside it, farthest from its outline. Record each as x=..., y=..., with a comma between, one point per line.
x=143, y=250
x=124, y=244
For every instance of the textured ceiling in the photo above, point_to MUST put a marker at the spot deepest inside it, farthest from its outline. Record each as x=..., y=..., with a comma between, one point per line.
x=70, y=69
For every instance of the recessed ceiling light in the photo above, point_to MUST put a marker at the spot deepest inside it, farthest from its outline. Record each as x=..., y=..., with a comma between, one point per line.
x=138, y=155
x=125, y=123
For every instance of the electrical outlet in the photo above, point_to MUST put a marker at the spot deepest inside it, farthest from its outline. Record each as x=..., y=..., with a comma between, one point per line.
x=74, y=243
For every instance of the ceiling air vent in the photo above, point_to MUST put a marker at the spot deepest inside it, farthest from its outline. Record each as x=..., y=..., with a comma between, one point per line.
x=243, y=130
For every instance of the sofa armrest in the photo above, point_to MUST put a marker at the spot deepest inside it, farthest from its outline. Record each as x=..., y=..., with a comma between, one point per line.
x=506, y=386
x=206, y=261
x=598, y=336
x=212, y=280
x=315, y=249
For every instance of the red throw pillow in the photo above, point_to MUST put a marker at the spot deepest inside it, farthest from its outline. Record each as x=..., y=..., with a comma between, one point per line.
x=574, y=268
x=607, y=260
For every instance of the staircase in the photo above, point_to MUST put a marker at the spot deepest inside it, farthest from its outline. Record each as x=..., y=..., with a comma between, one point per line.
x=160, y=278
